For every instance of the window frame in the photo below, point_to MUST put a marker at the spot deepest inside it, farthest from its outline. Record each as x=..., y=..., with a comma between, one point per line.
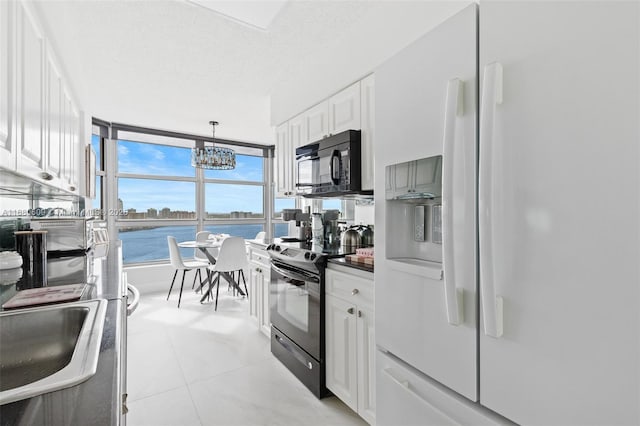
x=111, y=176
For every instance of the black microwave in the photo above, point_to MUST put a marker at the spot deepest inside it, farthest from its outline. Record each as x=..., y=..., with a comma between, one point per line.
x=330, y=167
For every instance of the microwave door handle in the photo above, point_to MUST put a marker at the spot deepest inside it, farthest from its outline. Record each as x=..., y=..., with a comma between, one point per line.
x=335, y=167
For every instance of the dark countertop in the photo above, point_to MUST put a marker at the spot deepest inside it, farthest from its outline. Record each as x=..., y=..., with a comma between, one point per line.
x=96, y=401
x=342, y=261
x=99, y=268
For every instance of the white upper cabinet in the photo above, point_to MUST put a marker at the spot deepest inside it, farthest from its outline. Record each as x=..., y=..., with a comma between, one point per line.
x=30, y=96
x=367, y=134
x=40, y=132
x=350, y=109
x=344, y=110
x=7, y=94
x=54, y=119
x=283, y=161
x=316, y=123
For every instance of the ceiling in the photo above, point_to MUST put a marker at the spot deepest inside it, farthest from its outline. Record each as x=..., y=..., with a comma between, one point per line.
x=176, y=65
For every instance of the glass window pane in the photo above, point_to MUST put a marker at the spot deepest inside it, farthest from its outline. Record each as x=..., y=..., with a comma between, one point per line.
x=335, y=204
x=156, y=199
x=248, y=168
x=283, y=203
x=229, y=201
x=151, y=159
x=248, y=232
x=149, y=244
x=280, y=230
x=95, y=143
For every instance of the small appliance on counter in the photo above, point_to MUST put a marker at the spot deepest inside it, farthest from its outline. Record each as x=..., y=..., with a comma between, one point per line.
x=31, y=246
x=303, y=222
x=66, y=234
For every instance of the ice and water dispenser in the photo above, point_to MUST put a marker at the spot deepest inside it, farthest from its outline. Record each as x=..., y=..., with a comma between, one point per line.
x=413, y=194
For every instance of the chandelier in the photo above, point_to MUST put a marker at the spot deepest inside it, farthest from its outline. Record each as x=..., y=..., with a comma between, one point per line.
x=213, y=157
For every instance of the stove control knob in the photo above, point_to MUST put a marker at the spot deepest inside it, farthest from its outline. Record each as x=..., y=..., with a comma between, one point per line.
x=313, y=256
x=269, y=246
x=277, y=248
x=307, y=255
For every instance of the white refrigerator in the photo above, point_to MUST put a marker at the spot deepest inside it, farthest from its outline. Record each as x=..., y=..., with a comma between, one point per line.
x=533, y=315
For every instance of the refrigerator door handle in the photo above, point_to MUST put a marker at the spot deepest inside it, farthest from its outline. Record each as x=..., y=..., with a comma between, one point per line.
x=404, y=384
x=488, y=181
x=453, y=108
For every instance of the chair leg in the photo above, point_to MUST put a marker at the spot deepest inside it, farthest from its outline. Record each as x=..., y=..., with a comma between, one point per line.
x=241, y=274
x=172, y=281
x=217, y=288
x=194, y=278
x=184, y=272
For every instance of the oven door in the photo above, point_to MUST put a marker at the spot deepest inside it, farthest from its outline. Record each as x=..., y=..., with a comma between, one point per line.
x=295, y=306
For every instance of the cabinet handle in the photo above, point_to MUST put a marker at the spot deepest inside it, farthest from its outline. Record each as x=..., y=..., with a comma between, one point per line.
x=359, y=314
x=46, y=176
x=355, y=291
x=72, y=188
x=350, y=310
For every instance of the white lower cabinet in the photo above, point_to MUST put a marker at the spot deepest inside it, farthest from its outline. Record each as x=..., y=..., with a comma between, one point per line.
x=259, y=279
x=350, y=341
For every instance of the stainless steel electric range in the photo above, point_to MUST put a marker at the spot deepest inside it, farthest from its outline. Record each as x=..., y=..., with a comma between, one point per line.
x=297, y=310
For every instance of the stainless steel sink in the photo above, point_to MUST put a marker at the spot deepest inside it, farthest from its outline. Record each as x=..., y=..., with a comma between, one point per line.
x=49, y=348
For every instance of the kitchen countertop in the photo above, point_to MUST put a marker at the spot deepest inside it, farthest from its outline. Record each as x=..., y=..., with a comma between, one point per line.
x=342, y=261
x=97, y=400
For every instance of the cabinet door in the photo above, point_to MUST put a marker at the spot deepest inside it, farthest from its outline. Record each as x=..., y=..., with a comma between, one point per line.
x=255, y=281
x=283, y=161
x=316, y=123
x=31, y=94
x=296, y=139
x=367, y=135
x=55, y=123
x=7, y=98
x=344, y=110
x=265, y=318
x=74, y=141
x=341, y=329
x=366, y=354
x=67, y=126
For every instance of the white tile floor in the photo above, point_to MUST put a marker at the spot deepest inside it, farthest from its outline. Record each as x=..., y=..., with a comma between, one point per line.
x=195, y=366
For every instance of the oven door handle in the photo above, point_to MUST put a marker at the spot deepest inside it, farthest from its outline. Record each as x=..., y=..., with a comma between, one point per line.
x=294, y=275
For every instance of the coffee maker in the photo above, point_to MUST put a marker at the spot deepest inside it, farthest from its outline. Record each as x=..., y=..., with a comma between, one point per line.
x=326, y=229
x=303, y=222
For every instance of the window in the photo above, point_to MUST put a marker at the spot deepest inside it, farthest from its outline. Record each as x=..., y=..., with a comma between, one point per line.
x=247, y=232
x=157, y=189
x=230, y=201
x=156, y=199
x=149, y=243
x=151, y=159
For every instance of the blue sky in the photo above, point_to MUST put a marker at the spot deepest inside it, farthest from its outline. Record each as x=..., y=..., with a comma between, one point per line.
x=151, y=159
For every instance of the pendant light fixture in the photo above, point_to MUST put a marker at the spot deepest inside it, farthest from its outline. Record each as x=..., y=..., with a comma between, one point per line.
x=213, y=157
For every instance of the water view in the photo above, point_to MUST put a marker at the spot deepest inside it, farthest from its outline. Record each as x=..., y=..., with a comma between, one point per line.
x=150, y=244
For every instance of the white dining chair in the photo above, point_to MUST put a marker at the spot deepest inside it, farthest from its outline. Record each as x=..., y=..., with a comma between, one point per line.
x=232, y=257
x=260, y=235
x=181, y=265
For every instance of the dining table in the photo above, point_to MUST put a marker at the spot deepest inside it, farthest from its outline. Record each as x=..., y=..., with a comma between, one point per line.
x=203, y=246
